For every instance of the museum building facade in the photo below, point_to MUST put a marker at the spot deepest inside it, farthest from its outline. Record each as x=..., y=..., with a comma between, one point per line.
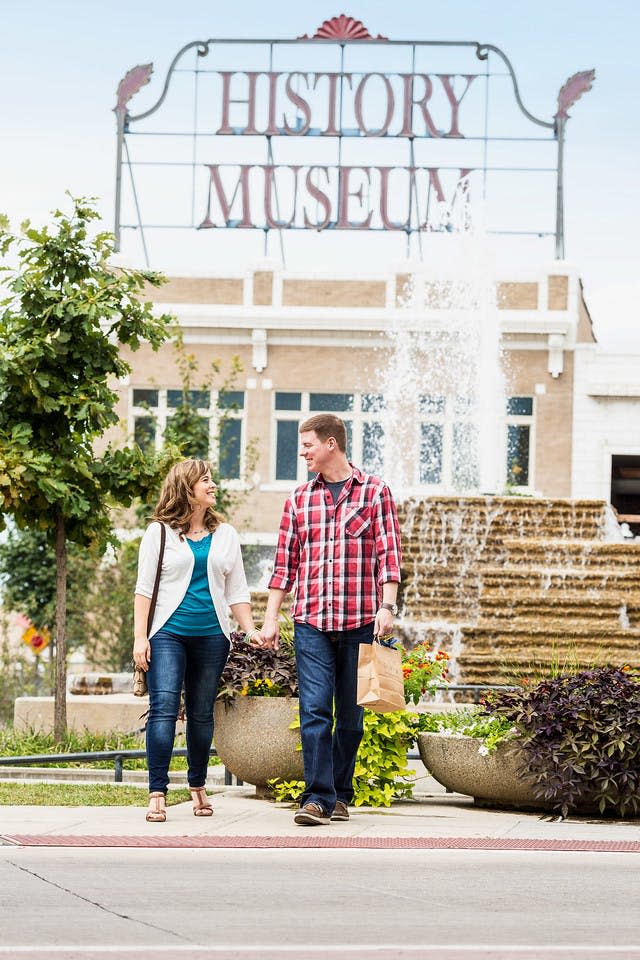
x=318, y=343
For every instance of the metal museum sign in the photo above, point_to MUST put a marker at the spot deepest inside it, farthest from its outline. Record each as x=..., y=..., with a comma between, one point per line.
x=341, y=130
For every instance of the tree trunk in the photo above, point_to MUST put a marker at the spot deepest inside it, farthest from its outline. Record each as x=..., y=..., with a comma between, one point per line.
x=60, y=708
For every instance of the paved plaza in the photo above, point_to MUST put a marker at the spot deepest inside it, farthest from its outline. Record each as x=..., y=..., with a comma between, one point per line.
x=431, y=878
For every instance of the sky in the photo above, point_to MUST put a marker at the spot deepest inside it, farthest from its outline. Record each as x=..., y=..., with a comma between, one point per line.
x=61, y=63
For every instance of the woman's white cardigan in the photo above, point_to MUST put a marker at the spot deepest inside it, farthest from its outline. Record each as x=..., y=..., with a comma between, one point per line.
x=227, y=581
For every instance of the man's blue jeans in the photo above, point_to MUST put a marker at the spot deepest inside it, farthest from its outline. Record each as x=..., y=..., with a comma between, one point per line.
x=196, y=662
x=327, y=673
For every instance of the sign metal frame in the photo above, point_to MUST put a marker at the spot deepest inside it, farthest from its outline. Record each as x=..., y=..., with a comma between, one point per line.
x=343, y=32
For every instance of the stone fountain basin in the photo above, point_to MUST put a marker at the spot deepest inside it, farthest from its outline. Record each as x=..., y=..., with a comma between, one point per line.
x=491, y=780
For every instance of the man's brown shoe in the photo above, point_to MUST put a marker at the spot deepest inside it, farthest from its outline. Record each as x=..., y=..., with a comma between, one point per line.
x=311, y=815
x=340, y=811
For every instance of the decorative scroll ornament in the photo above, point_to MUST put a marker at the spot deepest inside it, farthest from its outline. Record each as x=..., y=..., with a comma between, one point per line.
x=573, y=89
x=132, y=81
x=342, y=28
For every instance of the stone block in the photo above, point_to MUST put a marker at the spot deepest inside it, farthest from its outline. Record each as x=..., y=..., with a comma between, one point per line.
x=558, y=293
x=96, y=713
x=263, y=288
x=225, y=290
x=334, y=293
x=517, y=296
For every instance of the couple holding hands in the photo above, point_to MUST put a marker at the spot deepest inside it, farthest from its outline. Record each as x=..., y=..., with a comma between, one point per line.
x=338, y=549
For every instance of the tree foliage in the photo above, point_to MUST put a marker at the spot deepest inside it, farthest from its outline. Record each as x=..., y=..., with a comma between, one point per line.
x=28, y=572
x=100, y=593
x=62, y=325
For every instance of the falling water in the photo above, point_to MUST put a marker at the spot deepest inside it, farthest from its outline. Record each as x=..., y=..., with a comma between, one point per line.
x=445, y=406
x=444, y=374
x=497, y=581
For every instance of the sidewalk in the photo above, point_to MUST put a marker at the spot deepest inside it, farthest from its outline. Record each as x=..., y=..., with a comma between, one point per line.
x=434, y=818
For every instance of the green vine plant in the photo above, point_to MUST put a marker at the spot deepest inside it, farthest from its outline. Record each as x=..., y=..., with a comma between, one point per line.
x=382, y=774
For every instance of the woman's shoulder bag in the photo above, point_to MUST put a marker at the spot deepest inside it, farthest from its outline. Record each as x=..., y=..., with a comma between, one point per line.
x=140, y=688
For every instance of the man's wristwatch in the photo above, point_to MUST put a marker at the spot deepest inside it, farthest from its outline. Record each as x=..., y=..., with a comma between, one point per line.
x=392, y=607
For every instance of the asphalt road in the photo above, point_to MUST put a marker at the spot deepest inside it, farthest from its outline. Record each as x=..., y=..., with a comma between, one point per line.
x=164, y=902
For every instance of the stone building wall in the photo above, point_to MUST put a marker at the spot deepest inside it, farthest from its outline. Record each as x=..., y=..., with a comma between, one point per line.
x=328, y=334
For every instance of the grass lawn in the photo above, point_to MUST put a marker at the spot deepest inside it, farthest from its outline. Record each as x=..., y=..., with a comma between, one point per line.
x=81, y=795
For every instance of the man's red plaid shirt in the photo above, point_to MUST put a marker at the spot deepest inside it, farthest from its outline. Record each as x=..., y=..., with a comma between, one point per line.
x=337, y=556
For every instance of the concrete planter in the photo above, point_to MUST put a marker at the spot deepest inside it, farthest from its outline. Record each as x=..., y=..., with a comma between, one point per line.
x=491, y=780
x=253, y=739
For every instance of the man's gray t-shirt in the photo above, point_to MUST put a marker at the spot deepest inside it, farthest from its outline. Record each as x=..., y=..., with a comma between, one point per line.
x=335, y=488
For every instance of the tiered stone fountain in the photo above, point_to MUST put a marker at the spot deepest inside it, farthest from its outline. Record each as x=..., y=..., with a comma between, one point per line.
x=511, y=586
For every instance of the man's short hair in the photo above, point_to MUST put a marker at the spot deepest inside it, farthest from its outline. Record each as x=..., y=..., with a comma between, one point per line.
x=327, y=425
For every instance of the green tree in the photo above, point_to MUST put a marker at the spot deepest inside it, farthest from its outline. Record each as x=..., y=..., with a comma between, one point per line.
x=99, y=593
x=27, y=569
x=61, y=326
x=28, y=586
x=109, y=622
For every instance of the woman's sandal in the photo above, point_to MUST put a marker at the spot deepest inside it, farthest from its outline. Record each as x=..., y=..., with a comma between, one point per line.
x=201, y=803
x=156, y=812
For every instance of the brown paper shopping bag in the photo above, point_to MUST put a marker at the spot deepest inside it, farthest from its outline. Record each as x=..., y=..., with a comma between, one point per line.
x=380, y=681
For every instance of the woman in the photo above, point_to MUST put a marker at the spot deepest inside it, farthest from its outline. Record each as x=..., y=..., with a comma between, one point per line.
x=188, y=642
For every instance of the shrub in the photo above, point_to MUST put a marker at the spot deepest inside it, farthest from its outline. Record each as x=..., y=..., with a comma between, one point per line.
x=258, y=671
x=580, y=737
x=491, y=729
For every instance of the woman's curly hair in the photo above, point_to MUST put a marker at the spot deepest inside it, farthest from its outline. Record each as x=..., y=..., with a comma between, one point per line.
x=176, y=503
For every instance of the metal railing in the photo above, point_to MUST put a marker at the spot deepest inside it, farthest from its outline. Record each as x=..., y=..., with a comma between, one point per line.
x=476, y=689
x=118, y=757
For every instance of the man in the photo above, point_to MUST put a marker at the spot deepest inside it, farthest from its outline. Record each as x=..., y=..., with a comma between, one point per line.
x=339, y=546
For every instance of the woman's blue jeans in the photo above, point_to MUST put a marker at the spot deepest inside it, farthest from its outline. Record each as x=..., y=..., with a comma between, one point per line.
x=196, y=663
x=328, y=672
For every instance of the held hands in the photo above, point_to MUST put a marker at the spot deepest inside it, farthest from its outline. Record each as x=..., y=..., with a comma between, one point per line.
x=256, y=638
x=270, y=634
x=142, y=653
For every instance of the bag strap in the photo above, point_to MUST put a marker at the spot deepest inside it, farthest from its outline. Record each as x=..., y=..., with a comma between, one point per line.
x=156, y=585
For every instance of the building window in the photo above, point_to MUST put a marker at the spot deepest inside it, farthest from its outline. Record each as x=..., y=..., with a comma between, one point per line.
x=287, y=450
x=362, y=415
x=288, y=401
x=432, y=424
x=431, y=453
x=465, y=468
x=145, y=398
x=197, y=398
x=448, y=442
x=430, y=404
x=372, y=447
x=520, y=406
x=222, y=416
x=230, y=450
x=519, y=436
x=330, y=402
x=144, y=433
